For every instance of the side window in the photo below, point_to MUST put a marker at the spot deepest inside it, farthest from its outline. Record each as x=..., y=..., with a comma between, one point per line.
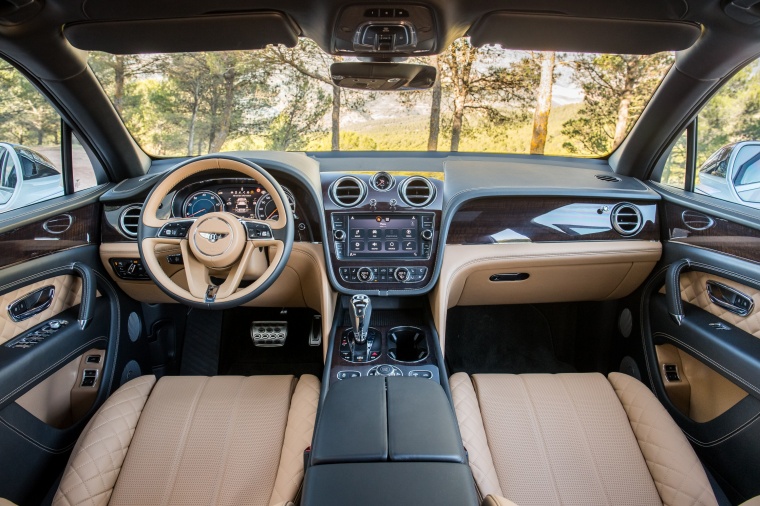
x=32, y=144
x=720, y=151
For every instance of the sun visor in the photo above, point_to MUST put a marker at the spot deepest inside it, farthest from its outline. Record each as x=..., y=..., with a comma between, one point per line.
x=550, y=32
x=204, y=33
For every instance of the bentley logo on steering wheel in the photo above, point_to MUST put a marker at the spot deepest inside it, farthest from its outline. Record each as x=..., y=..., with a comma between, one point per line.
x=212, y=236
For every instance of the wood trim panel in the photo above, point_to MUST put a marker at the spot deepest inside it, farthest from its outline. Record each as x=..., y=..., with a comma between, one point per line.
x=494, y=220
x=700, y=229
x=34, y=241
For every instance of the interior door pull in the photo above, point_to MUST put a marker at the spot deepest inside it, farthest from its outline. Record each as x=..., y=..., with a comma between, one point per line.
x=729, y=298
x=31, y=304
x=673, y=289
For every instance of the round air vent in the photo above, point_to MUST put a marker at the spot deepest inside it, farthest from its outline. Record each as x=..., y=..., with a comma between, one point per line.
x=417, y=191
x=130, y=220
x=608, y=179
x=348, y=191
x=626, y=219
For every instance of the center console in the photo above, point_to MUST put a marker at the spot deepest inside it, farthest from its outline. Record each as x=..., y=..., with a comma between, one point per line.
x=383, y=230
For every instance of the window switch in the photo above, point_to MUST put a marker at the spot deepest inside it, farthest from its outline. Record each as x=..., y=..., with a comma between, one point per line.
x=93, y=359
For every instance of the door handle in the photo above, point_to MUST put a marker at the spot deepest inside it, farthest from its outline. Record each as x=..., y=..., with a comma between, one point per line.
x=31, y=304
x=729, y=298
x=673, y=289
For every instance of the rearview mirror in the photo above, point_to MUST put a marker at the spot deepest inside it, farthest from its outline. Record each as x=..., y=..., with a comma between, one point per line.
x=382, y=76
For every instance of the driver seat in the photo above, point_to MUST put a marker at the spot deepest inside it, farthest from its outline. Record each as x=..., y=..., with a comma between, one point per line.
x=222, y=440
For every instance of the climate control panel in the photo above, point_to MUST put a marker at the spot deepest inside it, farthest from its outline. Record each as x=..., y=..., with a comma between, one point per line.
x=390, y=274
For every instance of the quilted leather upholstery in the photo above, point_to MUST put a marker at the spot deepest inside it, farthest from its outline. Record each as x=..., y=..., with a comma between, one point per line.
x=694, y=291
x=67, y=294
x=495, y=500
x=562, y=439
x=473, y=434
x=678, y=475
x=99, y=454
x=212, y=441
x=298, y=435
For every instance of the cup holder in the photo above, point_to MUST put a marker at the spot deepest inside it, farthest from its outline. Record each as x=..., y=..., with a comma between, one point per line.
x=407, y=344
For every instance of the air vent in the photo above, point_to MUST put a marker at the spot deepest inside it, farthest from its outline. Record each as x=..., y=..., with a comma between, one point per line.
x=348, y=191
x=130, y=221
x=417, y=191
x=626, y=219
x=608, y=179
x=696, y=221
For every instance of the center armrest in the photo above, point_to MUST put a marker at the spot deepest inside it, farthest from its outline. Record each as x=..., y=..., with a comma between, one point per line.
x=379, y=419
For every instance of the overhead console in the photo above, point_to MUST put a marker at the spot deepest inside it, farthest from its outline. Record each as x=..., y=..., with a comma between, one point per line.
x=382, y=29
x=383, y=229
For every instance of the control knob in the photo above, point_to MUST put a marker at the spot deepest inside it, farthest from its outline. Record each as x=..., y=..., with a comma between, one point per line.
x=339, y=235
x=427, y=234
x=365, y=274
x=401, y=274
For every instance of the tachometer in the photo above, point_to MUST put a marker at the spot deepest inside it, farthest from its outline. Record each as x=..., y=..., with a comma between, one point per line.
x=265, y=208
x=200, y=203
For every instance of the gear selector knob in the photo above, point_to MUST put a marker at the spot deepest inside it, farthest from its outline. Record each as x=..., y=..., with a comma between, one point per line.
x=361, y=311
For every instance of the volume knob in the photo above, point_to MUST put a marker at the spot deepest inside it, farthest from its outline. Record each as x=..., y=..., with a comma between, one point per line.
x=427, y=234
x=339, y=235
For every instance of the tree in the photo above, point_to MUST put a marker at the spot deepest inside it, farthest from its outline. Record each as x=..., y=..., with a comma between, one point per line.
x=543, y=104
x=497, y=89
x=309, y=60
x=435, y=108
x=616, y=88
x=293, y=127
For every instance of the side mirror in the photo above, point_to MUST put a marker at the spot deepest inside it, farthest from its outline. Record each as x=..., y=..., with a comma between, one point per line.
x=374, y=76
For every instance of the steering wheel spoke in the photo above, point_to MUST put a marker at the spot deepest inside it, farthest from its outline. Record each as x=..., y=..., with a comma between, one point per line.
x=261, y=234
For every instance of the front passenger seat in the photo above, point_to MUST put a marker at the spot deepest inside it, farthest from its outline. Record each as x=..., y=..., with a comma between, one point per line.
x=220, y=440
x=574, y=439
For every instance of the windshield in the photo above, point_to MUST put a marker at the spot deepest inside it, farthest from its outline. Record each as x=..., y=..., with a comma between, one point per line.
x=486, y=99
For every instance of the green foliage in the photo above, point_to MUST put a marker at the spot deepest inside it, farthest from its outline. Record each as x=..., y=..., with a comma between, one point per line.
x=25, y=115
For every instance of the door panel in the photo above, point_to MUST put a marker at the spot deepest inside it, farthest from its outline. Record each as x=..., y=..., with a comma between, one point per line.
x=703, y=361
x=53, y=377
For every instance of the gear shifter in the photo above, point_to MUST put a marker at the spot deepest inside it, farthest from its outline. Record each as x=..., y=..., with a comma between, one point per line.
x=361, y=311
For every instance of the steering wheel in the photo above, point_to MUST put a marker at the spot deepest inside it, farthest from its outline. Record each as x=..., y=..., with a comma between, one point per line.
x=217, y=244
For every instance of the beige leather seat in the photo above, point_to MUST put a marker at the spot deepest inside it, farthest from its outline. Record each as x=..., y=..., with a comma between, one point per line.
x=574, y=439
x=195, y=441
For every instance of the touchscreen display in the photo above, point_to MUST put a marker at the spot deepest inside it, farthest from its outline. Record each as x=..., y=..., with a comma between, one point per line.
x=383, y=236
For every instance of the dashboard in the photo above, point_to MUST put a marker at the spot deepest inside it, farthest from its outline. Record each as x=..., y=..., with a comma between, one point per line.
x=391, y=225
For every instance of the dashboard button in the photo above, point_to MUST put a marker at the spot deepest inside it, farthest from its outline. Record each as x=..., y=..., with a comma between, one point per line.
x=365, y=274
x=408, y=233
x=401, y=274
x=374, y=233
x=374, y=246
x=391, y=233
x=357, y=233
x=357, y=245
x=391, y=245
x=409, y=245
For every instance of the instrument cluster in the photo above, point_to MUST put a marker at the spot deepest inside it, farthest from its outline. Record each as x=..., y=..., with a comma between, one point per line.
x=244, y=199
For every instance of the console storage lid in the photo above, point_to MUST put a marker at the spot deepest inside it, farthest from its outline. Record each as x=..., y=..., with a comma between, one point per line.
x=377, y=419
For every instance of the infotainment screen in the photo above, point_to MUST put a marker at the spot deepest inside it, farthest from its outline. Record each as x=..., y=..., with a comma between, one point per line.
x=372, y=236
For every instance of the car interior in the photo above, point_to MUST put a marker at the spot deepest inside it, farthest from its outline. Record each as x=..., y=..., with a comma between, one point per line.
x=224, y=286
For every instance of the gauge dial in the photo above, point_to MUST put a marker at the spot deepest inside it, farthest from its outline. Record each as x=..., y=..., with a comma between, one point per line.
x=267, y=210
x=200, y=203
x=381, y=181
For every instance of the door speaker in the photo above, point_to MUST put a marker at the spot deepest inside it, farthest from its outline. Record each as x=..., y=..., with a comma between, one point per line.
x=130, y=372
x=625, y=322
x=628, y=366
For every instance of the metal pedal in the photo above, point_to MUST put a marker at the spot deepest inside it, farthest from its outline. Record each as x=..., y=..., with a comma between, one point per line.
x=269, y=334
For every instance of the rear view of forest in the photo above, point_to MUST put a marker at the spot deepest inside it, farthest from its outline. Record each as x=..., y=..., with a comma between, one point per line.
x=485, y=100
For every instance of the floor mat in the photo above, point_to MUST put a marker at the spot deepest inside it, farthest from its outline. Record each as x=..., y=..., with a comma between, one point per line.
x=240, y=357
x=505, y=339
x=200, y=350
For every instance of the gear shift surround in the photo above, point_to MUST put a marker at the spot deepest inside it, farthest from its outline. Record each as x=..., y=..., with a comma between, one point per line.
x=360, y=343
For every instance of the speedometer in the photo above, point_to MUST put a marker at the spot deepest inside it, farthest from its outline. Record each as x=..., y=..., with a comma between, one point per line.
x=267, y=210
x=200, y=203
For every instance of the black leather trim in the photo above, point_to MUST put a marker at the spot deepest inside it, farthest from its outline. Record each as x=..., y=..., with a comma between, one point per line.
x=421, y=425
x=353, y=423
x=733, y=353
x=673, y=289
x=390, y=484
x=89, y=293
